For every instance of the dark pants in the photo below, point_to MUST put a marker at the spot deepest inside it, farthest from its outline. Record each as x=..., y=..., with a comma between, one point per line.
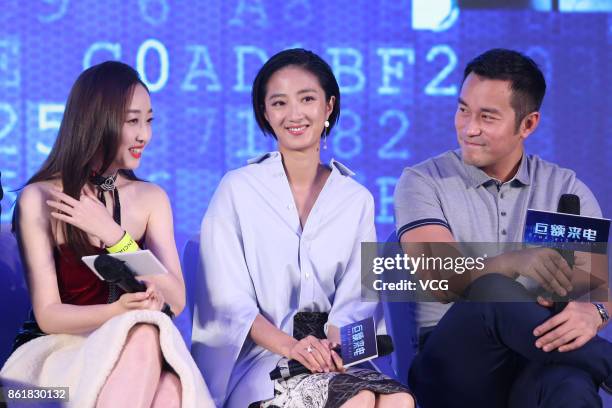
x=551, y=385
x=483, y=354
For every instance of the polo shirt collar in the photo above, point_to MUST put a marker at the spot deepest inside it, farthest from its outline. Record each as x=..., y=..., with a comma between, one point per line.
x=477, y=177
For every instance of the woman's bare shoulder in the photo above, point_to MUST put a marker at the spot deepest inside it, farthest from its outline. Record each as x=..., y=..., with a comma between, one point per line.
x=147, y=188
x=37, y=193
x=32, y=202
x=146, y=193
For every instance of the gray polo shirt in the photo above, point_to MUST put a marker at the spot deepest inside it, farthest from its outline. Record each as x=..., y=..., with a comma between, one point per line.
x=445, y=191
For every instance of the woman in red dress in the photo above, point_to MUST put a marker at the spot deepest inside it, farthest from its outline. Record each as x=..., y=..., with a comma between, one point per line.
x=86, y=200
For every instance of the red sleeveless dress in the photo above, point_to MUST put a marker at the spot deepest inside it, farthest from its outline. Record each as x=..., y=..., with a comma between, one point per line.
x=77, y=285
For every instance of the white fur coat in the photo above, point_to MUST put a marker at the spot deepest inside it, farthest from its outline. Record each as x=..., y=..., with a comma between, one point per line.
x=83, y=362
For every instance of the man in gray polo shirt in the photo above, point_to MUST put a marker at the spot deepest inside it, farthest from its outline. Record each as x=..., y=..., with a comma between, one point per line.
x=473, y=353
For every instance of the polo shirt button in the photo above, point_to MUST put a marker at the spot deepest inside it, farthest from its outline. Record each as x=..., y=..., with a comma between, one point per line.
x=501, y=195
x=503, y=232
x=503, y=213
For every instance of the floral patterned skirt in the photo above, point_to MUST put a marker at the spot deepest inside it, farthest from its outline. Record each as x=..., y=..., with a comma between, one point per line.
x=329, y=390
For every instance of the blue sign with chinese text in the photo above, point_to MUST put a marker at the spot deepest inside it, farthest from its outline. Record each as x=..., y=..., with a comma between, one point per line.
x=553, y=227
x=358, y=342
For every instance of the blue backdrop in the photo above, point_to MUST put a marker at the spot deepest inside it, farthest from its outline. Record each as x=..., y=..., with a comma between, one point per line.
x=399, y=64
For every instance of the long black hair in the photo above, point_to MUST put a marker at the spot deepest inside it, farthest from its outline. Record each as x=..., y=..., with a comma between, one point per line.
x=90, y=131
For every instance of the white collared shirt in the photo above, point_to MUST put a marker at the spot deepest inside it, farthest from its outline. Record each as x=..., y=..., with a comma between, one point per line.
x=257, y=259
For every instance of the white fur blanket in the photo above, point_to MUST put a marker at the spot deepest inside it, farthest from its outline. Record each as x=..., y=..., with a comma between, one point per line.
x=83, y=362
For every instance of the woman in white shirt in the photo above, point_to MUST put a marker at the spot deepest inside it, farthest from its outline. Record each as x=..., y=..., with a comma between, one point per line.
x=282, y=235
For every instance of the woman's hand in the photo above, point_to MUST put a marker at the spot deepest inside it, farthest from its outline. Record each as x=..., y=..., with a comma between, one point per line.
x=337, y=360
x=314, y=354
x=333, y=336
x=156, y=296
x=152, y=299
x=87, y=214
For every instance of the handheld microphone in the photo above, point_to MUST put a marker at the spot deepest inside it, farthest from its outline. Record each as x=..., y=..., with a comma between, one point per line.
x=117, y=272
x=568, y=204
x=384, y=345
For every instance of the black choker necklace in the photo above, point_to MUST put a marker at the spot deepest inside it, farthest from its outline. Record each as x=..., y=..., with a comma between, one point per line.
x=108, y=184
x=104, y=183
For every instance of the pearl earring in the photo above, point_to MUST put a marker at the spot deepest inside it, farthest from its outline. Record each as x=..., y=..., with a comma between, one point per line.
x=326, y=124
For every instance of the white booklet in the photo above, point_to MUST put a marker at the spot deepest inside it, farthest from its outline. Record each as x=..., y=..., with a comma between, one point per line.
x=142, y=262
